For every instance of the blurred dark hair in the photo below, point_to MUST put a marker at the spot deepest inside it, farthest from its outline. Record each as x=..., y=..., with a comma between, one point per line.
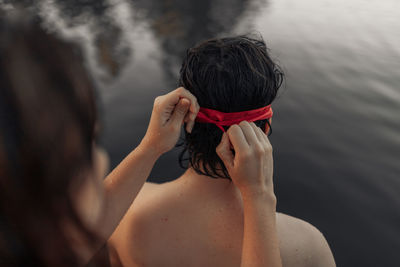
x=47, y=122
x=230, y=75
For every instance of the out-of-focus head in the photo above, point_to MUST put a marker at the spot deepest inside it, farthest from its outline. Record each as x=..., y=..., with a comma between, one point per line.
x=47, y=130
x=229, y=75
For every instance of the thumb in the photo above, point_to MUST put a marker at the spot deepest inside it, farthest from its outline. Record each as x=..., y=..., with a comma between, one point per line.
x=179, y=112
x=224, y=151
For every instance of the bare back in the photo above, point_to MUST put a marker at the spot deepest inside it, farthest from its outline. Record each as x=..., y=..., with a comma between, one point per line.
x=186, y=223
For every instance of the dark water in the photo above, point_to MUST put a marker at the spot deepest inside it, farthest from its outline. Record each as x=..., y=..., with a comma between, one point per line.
x=336, y=125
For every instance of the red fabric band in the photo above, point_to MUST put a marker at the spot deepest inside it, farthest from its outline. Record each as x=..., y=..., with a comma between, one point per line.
x=220, y=119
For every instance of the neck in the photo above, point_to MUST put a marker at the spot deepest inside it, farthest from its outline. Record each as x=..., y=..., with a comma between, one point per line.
x=209, y=185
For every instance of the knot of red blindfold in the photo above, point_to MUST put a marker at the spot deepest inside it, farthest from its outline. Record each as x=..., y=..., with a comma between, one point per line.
x=221, y=119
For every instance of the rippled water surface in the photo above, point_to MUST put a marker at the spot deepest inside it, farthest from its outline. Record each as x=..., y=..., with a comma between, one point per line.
x=337, y=120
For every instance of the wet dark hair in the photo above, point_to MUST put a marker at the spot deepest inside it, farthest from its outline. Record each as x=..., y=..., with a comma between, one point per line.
x=230, y=75
x=47, y=127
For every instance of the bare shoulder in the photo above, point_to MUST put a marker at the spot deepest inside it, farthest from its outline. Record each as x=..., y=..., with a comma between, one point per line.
x=134, y=231
x=302, y=244
x=149, y=203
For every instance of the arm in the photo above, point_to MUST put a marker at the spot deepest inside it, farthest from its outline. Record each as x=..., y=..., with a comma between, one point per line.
x=125, y=181
x=260, y=240
x=251, y=170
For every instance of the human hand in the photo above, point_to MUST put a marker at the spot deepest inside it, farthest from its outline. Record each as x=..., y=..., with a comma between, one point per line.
x=251, y=166
x=170, y=111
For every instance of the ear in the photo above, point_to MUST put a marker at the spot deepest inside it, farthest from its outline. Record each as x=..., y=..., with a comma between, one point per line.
x=267, y=126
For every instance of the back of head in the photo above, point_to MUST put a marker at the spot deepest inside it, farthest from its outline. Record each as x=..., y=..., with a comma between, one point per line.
x=229, y=75
x=47, y=118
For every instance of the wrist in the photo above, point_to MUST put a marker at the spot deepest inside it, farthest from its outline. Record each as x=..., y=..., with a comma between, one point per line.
x=150, y=144
x=259, y=194
x=149, y=150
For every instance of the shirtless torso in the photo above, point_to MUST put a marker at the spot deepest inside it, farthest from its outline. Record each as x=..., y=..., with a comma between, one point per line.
x=198, y=221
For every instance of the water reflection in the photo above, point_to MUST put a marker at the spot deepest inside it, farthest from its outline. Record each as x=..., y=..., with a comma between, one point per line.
x=91, y=21
x=111, y=50
x=179, y=24
x=80, y=12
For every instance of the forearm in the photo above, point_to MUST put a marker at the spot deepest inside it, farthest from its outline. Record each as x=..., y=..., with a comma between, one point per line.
x=122, y=186
x=260, y=240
